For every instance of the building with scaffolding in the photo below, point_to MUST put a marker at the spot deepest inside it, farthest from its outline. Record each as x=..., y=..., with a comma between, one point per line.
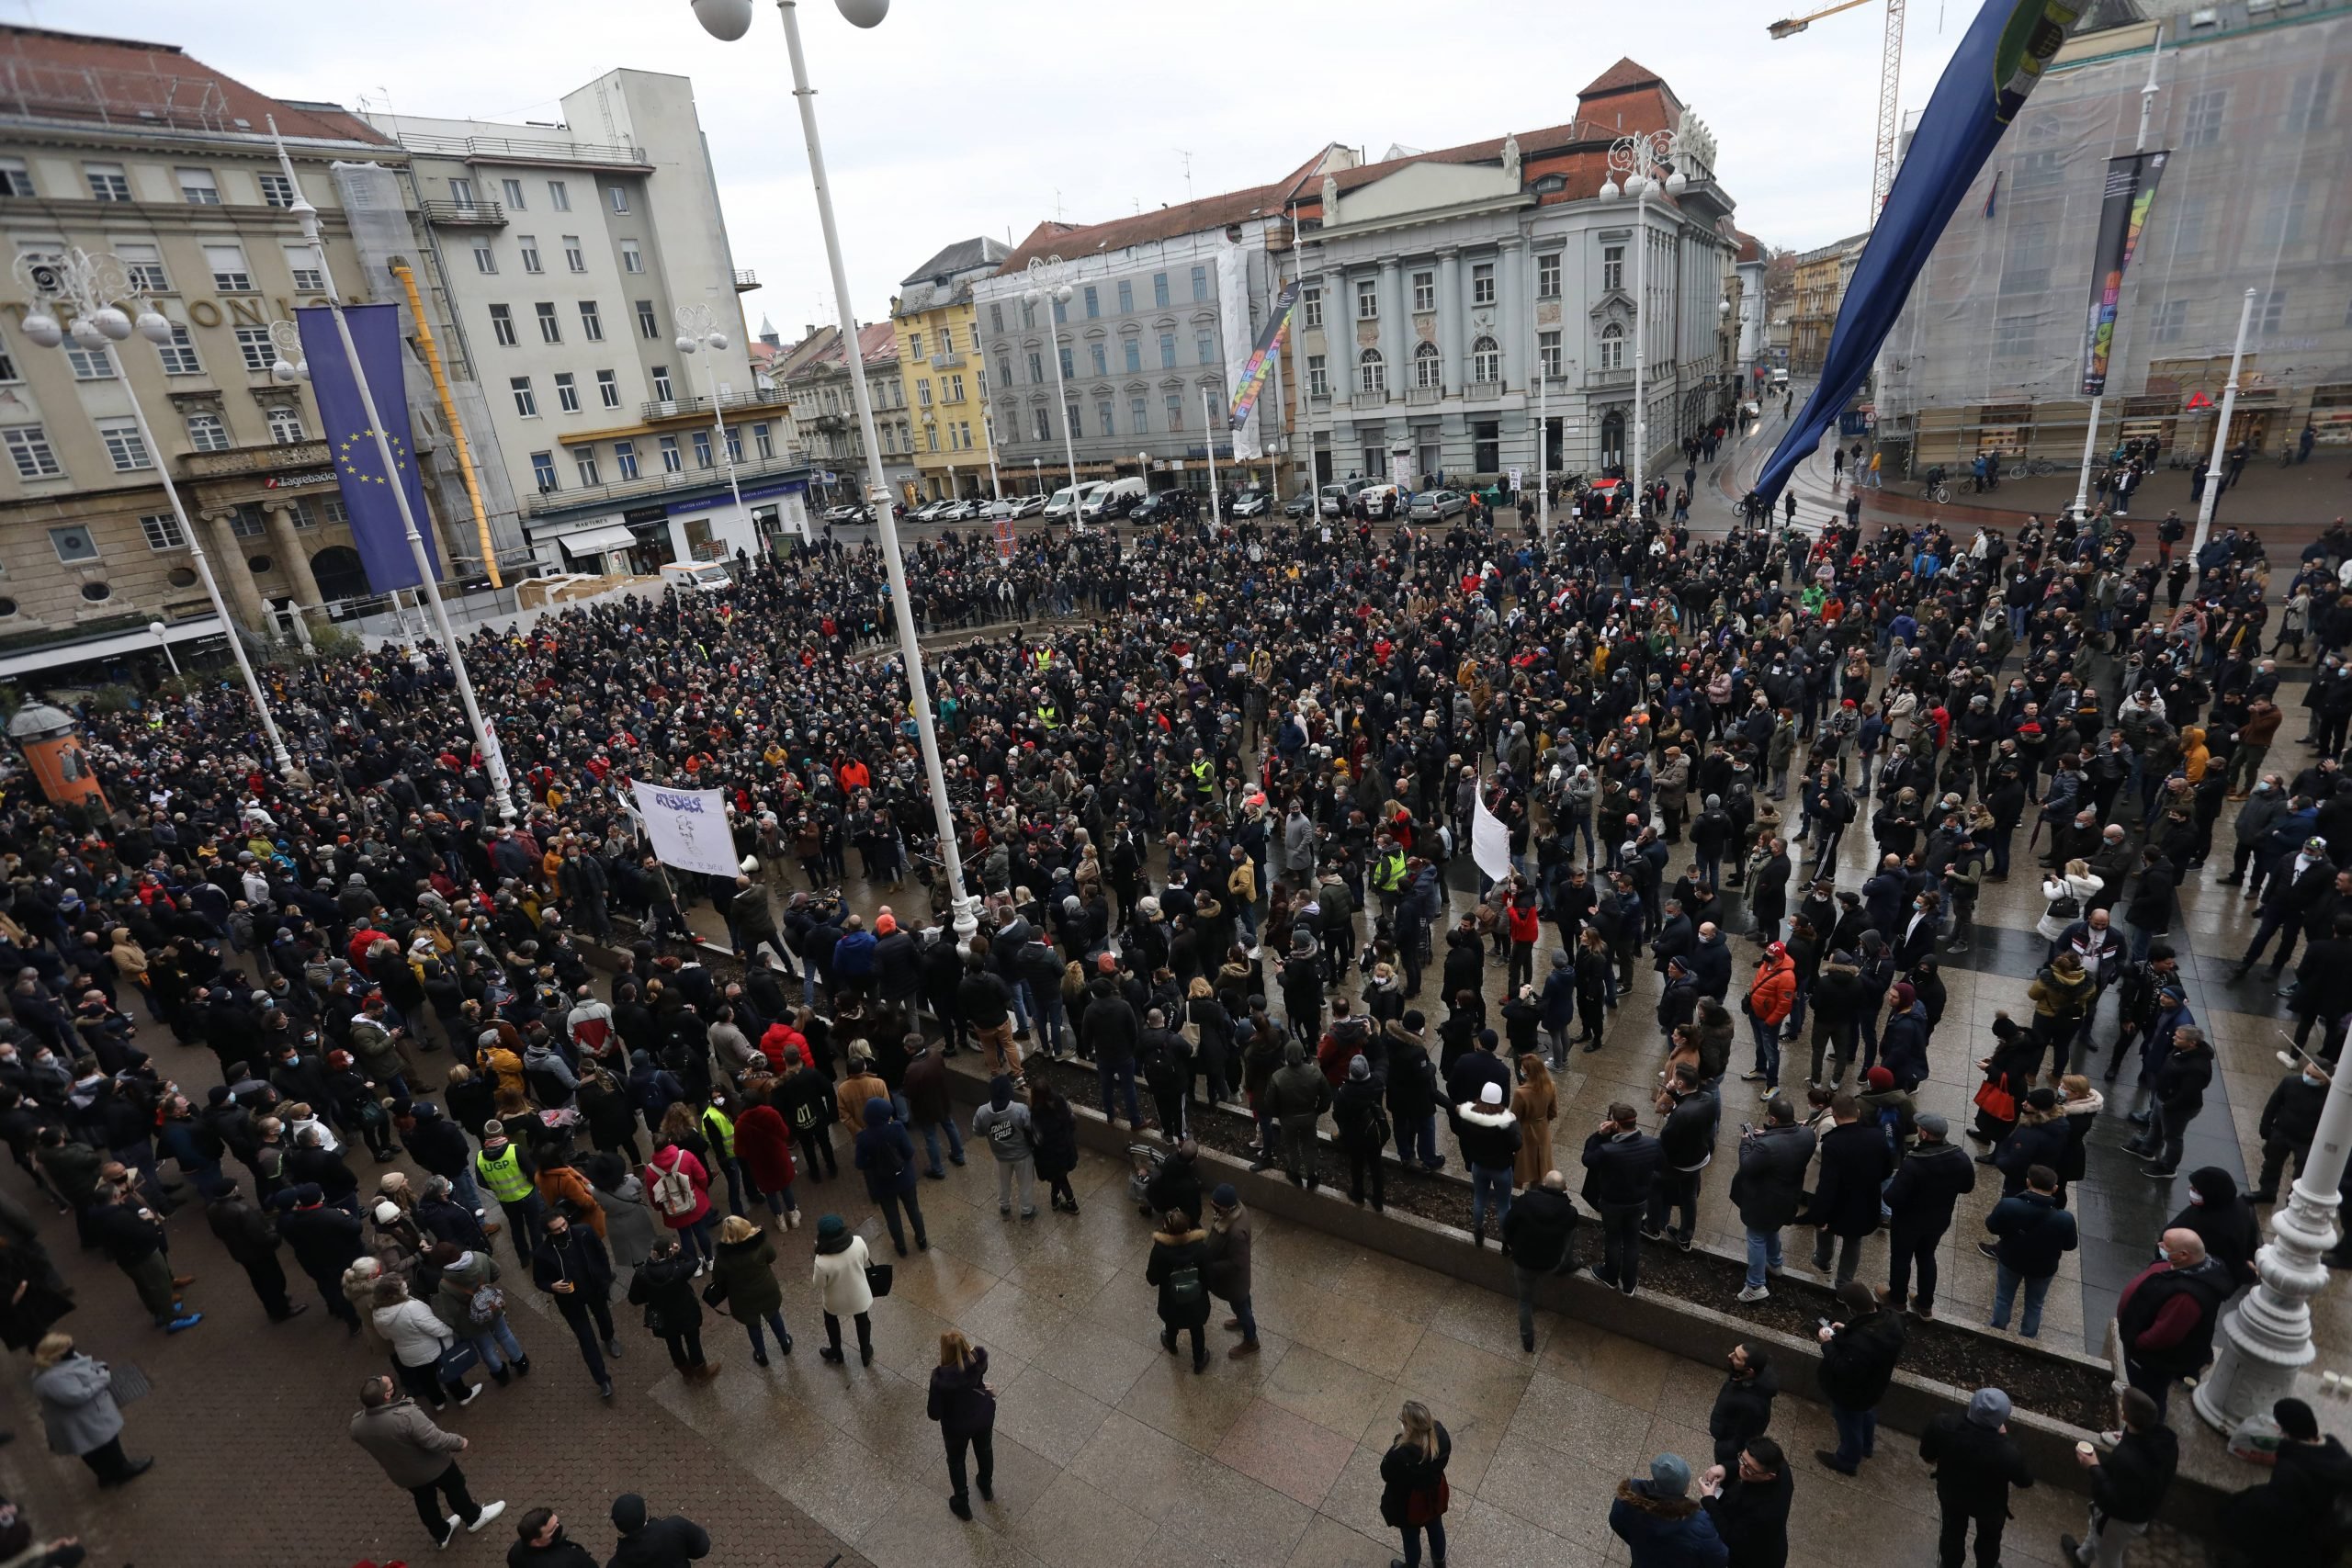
x=1990, y=353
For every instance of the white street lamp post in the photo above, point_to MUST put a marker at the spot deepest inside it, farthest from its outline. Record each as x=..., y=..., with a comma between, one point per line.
x=1208, y=418
x=1631, y=158
x=163, y=635
x=2090, y=425
x=697, y=329
x=2222, y=431
x=95, y=287
x=307, y=216
x=728, y=20
x=1046, y=288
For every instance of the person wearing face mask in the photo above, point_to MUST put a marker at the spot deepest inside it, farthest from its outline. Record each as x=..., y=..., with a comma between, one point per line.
x=541, y=1542
x=2290, y=1122
x=2223, y=1218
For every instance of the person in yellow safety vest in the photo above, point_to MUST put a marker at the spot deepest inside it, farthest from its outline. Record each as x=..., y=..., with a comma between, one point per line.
x=505, y=1172
x=719, y=1128
x=1048, y=714
x=1388, y=874
x=1203, y=773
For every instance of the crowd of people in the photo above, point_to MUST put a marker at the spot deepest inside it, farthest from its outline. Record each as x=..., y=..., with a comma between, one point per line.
x=1218, y=802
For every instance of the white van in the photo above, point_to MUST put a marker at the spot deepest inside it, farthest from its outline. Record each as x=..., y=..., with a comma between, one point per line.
x=1114, y=500
x=697, y=576
x=1071, y=499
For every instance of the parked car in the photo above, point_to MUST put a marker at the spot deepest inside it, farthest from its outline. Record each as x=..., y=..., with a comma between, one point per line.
x=1028, y=505
x=1252, y=503
x=1300, y=507
x=1334, y=501
x=1380, y=502
x=847, y=514
x=930, y=511
x=1437, y=506
x=1117, y=499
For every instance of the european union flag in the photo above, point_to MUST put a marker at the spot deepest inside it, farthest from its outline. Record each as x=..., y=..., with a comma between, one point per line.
x=369, y=493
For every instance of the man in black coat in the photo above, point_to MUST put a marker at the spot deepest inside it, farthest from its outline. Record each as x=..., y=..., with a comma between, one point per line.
x=672, y=1542
x=1749, y=1504
x=1976, y=1463
x=1767, y=1186
x=2128, y=1485
x=2290, y=1122
x=1538, y=1236
x=1926, y=1188
x=245, y=1234
x=325, y=1242
x=1621, y=1162
x=1686, y=1140
x=1855, y=1160
x=1743, y=1408
x=1858, y=1360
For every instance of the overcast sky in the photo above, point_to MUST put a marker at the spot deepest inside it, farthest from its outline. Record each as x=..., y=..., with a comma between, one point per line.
x=951, y=120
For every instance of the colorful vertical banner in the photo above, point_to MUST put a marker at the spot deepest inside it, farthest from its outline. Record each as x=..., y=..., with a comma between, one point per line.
x=2123, y=219
x=1997, y=65
x=376, y=531
x=1261, y=363
x=1004, y=541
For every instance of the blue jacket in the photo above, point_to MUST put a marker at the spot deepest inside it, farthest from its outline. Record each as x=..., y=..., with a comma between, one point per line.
x=1559, y=997
x=2033, y=1233
x=1903, y=1046
x=884, y=1152
x=1665, y=1532
x=853, y=954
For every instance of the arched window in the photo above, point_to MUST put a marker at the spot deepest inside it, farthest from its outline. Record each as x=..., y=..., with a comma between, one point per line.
x=1372, y=373
x=1485, y=361
x=1613, y=348
x=1428, y=367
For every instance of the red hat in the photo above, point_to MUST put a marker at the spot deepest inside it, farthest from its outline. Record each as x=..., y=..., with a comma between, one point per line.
x=1108, y=964
x=1777, y=950
x=1881, y=1078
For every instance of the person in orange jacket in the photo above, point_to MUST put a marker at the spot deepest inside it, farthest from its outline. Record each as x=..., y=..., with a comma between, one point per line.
x=1770, y=994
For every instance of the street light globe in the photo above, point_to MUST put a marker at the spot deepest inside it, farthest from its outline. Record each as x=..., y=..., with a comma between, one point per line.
x=1063, y=293
x=717, y=342
x=153, y=326
x=1608, y=191
x=157, y=630
x=86, y=335
x=863, y=13
x=285, y=373
x=687, y=344
x=725, y=20
x=43, y=329
x=1675, y=182
x=112, y=323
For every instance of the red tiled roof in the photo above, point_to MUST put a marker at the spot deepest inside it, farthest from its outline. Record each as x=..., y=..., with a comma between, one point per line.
x=877, y=343
x=1626, y=73
x=82, y=77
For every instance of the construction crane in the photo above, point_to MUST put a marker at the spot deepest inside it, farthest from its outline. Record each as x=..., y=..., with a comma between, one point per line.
x=1890, y=75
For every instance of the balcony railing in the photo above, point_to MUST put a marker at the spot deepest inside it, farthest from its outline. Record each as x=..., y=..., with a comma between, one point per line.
x=746, y=280
x=478, y=214
x=526, y=149
x=1483, y=392
x=661, y=483
x=237, y=461
x=948, y=362
x=1622, y=377
x=831, y=423
x=681, y=408
x=1425, y=394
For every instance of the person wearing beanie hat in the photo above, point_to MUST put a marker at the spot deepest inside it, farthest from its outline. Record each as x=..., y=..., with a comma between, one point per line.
x=842, y=1291
x=1920, y=1200
x=2287, y=1518
x=2040, y=1137
x=1660, y=1522
x=325, y=1242
x=1004, y=1125
x=647, y=1542
x=1858, y=1354
x=1976, y=1463
x=1225, y=1268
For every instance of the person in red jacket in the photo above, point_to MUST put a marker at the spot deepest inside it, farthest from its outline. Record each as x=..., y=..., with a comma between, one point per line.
x=2167, y=1315
x=1526, y=923
x=1770, y=994
x=764, y=1145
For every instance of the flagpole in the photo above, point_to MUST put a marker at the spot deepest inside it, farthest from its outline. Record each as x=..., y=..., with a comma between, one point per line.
x=2139, y=144
x=494, y=759
x=2222, y=431
x=1208, y=418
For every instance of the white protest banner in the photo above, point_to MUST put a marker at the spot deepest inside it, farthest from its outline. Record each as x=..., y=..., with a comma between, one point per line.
x=1489, y=841
x=687, y=828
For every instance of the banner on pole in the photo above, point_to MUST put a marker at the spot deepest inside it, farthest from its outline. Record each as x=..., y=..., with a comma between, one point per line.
x=376, y=531
x=1261, y=363
x=2123, y=219
x=1490, y=840
x=687, y=828
x=1999, y=62
x=1004, y=542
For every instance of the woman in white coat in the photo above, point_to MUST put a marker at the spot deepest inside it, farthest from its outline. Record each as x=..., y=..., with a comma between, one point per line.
x=419, y=1339
x=2069, y=893
x=78, y=1411
x=841, y=1261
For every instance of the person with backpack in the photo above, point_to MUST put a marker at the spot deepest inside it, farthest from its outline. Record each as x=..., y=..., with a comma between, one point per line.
x=663, y=1289
x=680, y=1189
x=1768, y=1188
x=470, y=1301
x=1539, y=1238
x=1177, y=1268
x=806, y=1098
x=886, y=1155
x=1414, y=1494
x=1358, y=1119
x=1004, y=1126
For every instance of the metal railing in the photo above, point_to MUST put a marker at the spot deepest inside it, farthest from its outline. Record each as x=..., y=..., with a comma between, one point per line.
x=1483, y=392
x=1609, y=378
x=526, y=149
x=745, y=280
x=1425, y=394
x=487, y=214
x=679, y=408
x=663, y=484
x=264, y=458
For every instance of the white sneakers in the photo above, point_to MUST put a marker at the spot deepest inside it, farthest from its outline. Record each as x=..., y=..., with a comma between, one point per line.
x=792, y=1219
x=489, y=1512
x=1755, y=1294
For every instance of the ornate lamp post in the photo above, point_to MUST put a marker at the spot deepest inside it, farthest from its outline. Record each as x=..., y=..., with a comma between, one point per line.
x=93, y=288
x=698, y=329
x=1046, y=288
x=1632, y=159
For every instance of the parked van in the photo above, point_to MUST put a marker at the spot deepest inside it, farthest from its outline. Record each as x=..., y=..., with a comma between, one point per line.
x=697, y=576
x=1114, y=500
x=1071, y=500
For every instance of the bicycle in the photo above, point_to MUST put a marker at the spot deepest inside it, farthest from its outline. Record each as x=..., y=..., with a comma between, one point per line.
x=2039, y=467
x=1934, y=489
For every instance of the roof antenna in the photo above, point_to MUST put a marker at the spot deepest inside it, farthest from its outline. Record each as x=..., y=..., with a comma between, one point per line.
x=1057, y=204
x=1187, y=156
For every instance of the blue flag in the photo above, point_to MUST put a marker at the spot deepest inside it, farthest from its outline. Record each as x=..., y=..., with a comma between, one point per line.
x=1998, y=64
x=377, y=530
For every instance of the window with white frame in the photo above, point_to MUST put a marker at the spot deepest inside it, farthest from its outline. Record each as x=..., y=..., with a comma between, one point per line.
x=90, y=364
x=1482, y=283
x=573, y=256
x=583, y=462
x=1372, y=373
x=514, y=189
x=277, y=191
x=16, y=178
x=1131, y=353
x=559, y=196
x=107, y=182
x=529, y=246
x=1428, y=367
x=1099, y=354
x=1547, y=353
x=501, y=325
x=286, y=426
x=1200, y=283
x=126, y=449
x=1425, y=291
x=298, y=513
x=310, y=275
x=461, y=193
x=632, y=259
x=648, y=327
x=162, y=531
x=1547, y=277
x=1612, y=266
x=1613, y=348
x=1172, y=406
x=1069, y=364
x=543, y=472
x=567, y=392
x=527, y=403
x=735, y=441
x=246, y=522
x=673, y=460
x=661, y=392
x=29, y=445
x=485, y=258
x=230, y=273
x=763, y=440
x=1367, y=300
x=205, y=432
x=197, y=188
x=74, y=544
x=591, y=321
x=550, y=329
x=255, y=347
x=331, y=510
x=617, y=195
x=1318, y=376
x=144, y=263
x=179, y=356
x=704, y=451
x=608, y=390
x=1044, y=423
x=1486, y=362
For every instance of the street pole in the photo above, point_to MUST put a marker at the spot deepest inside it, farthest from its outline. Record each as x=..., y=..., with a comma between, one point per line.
x=1302, y=424
x=95, y=285
x=1208, y=418
x=697, y=329
x=1047, y=289
x=494, y=758
x=910, y=649
x=2268, y=1336
x=2222, y=431
x=161, y=633
x=2090, y=434
x=1542, y=462
x=1632, y=157
x=988, y=432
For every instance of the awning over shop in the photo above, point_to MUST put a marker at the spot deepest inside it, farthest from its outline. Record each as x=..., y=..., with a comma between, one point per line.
x=596, y=541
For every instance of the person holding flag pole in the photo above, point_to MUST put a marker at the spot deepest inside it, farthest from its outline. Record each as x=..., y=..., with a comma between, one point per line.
x=393, y=479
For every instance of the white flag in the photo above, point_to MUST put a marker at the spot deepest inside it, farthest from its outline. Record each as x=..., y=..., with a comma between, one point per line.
x=687, y=828
x=1490, y=840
